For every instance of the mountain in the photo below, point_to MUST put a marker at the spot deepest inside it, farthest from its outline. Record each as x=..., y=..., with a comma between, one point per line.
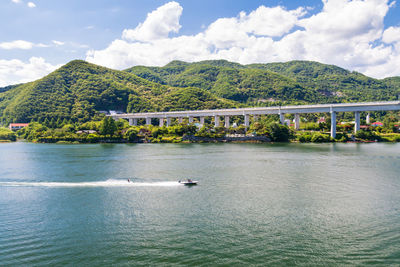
x=78, y=90
x=6, y=88
x=294, y=81
x=228, y=80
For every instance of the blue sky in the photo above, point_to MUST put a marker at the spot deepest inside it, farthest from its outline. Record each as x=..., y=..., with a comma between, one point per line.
x=38, y=36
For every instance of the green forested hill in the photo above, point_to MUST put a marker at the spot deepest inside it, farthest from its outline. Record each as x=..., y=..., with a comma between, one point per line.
x=335, y=83
x=229, y=80
x=294, y=81
x=6, y=88
x=79, y=89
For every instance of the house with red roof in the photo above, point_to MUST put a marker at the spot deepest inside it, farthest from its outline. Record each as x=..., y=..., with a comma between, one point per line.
x=377, y=123
x=17, y=126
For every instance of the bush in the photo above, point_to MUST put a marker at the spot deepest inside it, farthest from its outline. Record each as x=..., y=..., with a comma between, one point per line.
x=131, y=135
x=278, y=132
x=315, y=137
x=305, y=138
x=320, y=138
x=341, y=137
x=6, y=134
x=367, y=135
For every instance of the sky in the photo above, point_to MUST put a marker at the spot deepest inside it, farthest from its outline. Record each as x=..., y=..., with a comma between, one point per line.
x=39, y=36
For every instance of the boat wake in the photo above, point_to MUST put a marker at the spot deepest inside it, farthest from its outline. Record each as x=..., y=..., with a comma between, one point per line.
x=107, y=183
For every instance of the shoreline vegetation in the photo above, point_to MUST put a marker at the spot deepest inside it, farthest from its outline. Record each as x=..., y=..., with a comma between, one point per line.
x=263, y=130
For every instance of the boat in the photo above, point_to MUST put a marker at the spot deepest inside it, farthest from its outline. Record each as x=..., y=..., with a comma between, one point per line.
x=188, y=182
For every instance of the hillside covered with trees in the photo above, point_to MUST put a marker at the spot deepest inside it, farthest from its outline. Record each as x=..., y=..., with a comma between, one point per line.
x=78, y=91
x=263, y=84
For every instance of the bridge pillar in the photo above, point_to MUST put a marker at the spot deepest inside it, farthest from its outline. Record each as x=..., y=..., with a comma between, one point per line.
x=130, y=122
x=333, y=124
x=148, y=121
x=282, y=118
x=161, y=121
x=201, y=121
x=246, y=120
x=190, y=119
x=180, y=120
x=368, y=118
x=227, y=122
x=168, y=121
x=296, y=121
x=216, y=121
x=357, y=121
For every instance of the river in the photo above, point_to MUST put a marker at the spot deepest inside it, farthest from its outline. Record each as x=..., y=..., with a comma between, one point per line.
x=256, y=204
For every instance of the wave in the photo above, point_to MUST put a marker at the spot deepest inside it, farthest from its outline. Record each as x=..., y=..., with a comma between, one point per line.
x=107, y=183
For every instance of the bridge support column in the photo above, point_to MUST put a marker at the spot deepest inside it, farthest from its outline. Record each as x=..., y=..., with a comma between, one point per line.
x=216, y=121
x=130, y=122
x=168, y=122
x=368, y=118
x=161, y=121
x=282, y=118
x=148, y=121
x=333, y=124
x=190, y=119
x=357, y=121
x=246, y=120
x=227, y=122
x=296, y=121
x=201, y=121
x=180, y=120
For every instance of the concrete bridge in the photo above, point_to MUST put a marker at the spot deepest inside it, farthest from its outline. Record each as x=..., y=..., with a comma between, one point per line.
x=280, y=110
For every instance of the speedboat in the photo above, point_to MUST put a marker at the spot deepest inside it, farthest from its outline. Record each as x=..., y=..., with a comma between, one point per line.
x=188, y=182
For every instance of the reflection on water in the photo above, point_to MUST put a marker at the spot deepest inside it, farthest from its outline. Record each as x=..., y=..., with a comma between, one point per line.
x=283, y=204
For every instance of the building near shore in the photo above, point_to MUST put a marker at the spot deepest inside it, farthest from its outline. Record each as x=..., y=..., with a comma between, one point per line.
x=17, y=126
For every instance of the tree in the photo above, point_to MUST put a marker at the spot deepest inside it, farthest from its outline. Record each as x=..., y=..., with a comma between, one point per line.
x=131, y=134
x=278, y=132
x=107, y=126
x=52, y=123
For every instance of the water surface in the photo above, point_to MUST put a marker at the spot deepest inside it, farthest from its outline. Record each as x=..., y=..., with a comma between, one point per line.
x=282, y=204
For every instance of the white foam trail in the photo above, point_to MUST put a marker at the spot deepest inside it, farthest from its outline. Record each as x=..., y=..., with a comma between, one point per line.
x=108, y=183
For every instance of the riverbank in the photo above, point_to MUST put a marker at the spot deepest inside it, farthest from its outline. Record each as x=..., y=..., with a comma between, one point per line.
x=110, y=131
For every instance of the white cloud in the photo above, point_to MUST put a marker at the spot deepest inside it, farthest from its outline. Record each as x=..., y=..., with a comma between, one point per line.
x=58, y=43
x=18, y=44
x=391, y=35
x=157, y=25
x=16, y=71
x=347, y=33
x=31, y=4
x=16, y=1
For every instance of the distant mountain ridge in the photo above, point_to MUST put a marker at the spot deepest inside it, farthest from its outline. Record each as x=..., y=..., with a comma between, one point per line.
x=281, y=81
x=79, y=90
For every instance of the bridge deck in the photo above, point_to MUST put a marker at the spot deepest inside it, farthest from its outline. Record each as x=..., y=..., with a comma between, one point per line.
x=320, y=108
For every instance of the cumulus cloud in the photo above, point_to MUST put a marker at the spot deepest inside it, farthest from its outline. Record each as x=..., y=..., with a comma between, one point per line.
x=157, y=25
x=347, y=33
x=16, y=71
